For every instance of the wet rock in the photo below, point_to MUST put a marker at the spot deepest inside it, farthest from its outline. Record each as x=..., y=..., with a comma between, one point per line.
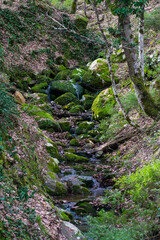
x=70, y=157
x=99, y=154
x=54, y=187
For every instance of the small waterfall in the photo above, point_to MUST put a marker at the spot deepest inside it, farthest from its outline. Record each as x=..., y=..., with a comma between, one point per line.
x=47, y=91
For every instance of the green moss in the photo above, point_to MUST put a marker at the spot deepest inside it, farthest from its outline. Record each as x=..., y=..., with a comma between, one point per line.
x=63, y=75
x=74, y=142
x=70, y=157
x=68, y=136
x=36, y=111
x=87, y=101
x=66, y=98
x=57, y=190
x=40, y=98
x=103, y=105
x=63, y=86
x=40, y=87
x=61, y=61
x=52, y=175
x=81, y=23
x=64, y=126
x=53, y=151
x=76, y=109
x=80, y=190
x=53, y=165
x=84, y=127
x=77, y=74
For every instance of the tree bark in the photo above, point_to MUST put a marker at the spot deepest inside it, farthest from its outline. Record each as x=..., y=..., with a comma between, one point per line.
x=141, y=43
x=144, y=98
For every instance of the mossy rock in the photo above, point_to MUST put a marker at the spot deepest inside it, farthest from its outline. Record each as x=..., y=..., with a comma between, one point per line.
x=68, y=136
x=77, y=74
x=61, y=68
x=84, y=127
x=76, y=189
x=84, y=208
x=103, y=105
x=62, y=86
x=87, y=101
x=53, y=165
x=98, y=77
x=64, y=215
x=40, y=87
x=74, y=142
x=48, y=73
x=70, y=150
x=63, y=75
x=54, y=187
x=37, y=112
x=70, y=157
x=81, y=23
x=40, y=98
x=69, y=106
x=64, y=126
x=66, y=98
x=76, y=109
x=53, y=151
x=61, y=61
x=118, y=56
x=49, y=125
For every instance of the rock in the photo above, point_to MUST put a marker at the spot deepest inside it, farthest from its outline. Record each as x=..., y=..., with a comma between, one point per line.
x=84, y=208
x=54, y=187
x=68, y=136
x=74, y=142
x=97, y=77
x=77, y=74
x=66, y=98
x=64, y=215
x=70, y=157
x=64, y=126
x=70, y=231
x=53, y=165
x=87, y=101
x=19, y=97
x=103, y=105
x=81, y=23
x=87, y=180
x=40, y=87
x=53, y=151
x=37, y=112
x=49, y=125
x=84, y=127
x=61, y=86
x=40, y=98
x=99, y=154
x=76, y=109
x=63, y=75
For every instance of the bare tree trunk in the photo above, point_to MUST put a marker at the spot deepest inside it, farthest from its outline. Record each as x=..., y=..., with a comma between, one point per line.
x=141, y=43
x=144, y=98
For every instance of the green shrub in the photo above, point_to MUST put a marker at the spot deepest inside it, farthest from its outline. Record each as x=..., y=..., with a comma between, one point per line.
x=152, y=20
x=129, y=101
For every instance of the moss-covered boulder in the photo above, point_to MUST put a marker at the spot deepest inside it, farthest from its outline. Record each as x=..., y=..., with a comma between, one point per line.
x=49, y=125
x=66, y=98
x=64, y=126
x=84, y=127
x=54, y=187
x=53, y=151
x=77, y=74
x=70, y=157
x=76, y=109
x=84, y=207
x=62, y=86
x=63, y=75
x=97, y=77
x=103, y=105
x=37, y=112
x=41, y=87
x=74, y=142
x=87, y=101
x=81, y=23
x=39, y=98
x=53, y=165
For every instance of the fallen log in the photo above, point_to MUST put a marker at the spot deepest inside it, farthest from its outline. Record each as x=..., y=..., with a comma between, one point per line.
x=113, y=144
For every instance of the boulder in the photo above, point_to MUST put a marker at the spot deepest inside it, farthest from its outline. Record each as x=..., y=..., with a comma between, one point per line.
x=77, y=74
x=70, y=157
x=61, y=86
x=76, y=109
x=49, y=124
x=87, y=101
x=84, y=127
x=66, y=98
x=63, y=75
x=19, y=97
x=53, y=151
x=54, y=187
x=103, y=105
x=97, y=77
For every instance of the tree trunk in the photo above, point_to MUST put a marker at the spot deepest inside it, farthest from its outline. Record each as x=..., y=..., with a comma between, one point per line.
x=144, y=98
x=141, y=43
